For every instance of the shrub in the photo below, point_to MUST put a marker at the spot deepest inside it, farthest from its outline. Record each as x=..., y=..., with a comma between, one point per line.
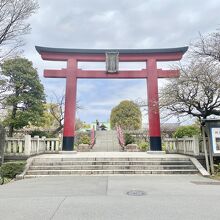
x=217, y=168
x=163, y=147
x=84, y=139
x=144, y=146
x=129, y=139
x=41, y=133
x=188, y=131
x=11, y=169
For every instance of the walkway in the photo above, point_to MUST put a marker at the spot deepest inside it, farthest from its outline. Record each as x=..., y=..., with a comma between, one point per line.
x=106, y=141
x=105, y=198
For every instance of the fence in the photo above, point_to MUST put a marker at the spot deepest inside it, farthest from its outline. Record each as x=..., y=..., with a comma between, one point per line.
x=29, y=146
x=189, y=146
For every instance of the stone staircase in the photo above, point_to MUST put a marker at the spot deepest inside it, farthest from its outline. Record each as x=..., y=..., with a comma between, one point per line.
x=106, y=141
x=109, y=166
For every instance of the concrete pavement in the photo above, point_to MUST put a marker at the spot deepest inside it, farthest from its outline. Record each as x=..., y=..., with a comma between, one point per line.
x=101, y=197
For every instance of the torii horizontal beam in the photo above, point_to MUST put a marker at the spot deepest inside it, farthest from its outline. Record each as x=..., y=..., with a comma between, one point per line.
x=97, y=74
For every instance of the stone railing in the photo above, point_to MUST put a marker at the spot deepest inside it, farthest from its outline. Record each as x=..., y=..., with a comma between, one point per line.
x=29, y=146
x=187, y=145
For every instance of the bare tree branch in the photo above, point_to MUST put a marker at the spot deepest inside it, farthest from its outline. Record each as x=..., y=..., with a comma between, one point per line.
x=57, y=110
x=196, y=92
x=208, y=46
x=13, y=25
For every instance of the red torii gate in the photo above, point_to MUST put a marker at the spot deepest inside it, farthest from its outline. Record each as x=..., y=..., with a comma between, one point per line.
x=72, y=73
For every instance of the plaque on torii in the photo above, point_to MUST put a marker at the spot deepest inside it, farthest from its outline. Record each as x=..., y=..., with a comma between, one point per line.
x=112, y=62
x=112, y=58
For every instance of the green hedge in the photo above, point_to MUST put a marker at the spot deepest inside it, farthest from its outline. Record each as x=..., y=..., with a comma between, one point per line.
x=129, y=139
x=144, y=146
x=42, y=134
x=84, y=139
x=188, y=131
x=11, y=169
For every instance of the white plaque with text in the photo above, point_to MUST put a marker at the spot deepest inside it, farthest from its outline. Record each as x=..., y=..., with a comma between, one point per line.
x=215, y=132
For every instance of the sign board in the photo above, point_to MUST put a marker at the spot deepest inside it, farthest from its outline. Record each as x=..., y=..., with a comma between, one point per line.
x=215, y=140
x=212, y=127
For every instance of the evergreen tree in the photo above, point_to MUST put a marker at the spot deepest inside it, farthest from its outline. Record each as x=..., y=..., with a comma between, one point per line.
x=25, y=96
x=127, y=114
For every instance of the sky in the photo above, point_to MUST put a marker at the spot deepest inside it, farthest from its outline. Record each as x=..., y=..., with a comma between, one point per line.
x=129, y=24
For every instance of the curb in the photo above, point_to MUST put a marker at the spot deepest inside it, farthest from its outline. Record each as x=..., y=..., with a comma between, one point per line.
x=28, y=164
x=200, y=168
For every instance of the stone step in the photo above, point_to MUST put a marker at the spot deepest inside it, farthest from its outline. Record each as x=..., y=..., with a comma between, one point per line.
x=107, y=138
x=107, y=172
x=114, y=167
x=109, y=159
x=124, y=163
x=111, y=144
x=106, y=141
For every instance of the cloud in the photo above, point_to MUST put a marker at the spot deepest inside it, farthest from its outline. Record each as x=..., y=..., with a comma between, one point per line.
x=114, y=24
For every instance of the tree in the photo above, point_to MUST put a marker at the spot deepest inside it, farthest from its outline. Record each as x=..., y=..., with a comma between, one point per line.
x=127, y=114
x=79, y=124
x=13, y=16
x=196, y=92
x=3, y=88
x=207, y=47
x=189, y=131
x=56, y=110
x=26, y=97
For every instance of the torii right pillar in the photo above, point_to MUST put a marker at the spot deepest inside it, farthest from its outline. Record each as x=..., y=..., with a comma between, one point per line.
x=153, y=106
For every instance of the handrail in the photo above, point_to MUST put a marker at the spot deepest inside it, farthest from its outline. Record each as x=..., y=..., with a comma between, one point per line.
x=29, y=146
x=120, y=136
x=186, y=145
x=92, y=142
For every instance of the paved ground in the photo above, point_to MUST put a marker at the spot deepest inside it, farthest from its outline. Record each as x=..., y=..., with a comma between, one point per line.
x=167, y=197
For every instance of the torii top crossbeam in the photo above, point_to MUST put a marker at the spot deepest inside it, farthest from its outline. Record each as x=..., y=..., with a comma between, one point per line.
x=72, y=73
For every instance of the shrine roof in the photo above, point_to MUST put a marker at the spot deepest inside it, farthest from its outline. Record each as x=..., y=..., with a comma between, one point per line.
x=103, y=51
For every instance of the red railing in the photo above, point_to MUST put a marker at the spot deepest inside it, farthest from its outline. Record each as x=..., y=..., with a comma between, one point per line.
x=120, y=136
x=92, y=142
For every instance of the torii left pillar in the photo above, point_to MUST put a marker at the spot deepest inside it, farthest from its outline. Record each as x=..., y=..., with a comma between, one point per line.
x=70, y=100
x=70, y=105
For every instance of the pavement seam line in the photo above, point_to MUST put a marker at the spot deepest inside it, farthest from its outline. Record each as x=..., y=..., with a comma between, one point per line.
x=107, y=186
x=58, y=207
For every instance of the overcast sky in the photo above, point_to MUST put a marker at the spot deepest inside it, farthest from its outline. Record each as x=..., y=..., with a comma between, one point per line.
x=114, y=24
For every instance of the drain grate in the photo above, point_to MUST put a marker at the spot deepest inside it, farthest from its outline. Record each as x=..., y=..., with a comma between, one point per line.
x=136, y=193
x=205, y=183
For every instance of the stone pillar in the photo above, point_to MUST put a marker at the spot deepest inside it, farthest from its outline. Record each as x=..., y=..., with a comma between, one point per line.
x=27, y=145
x=37, y=139
x=196, y=145
x=153, y=106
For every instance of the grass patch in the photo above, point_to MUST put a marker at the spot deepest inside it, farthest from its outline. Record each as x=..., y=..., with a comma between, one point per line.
x=216, y=177
x=11, y=169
